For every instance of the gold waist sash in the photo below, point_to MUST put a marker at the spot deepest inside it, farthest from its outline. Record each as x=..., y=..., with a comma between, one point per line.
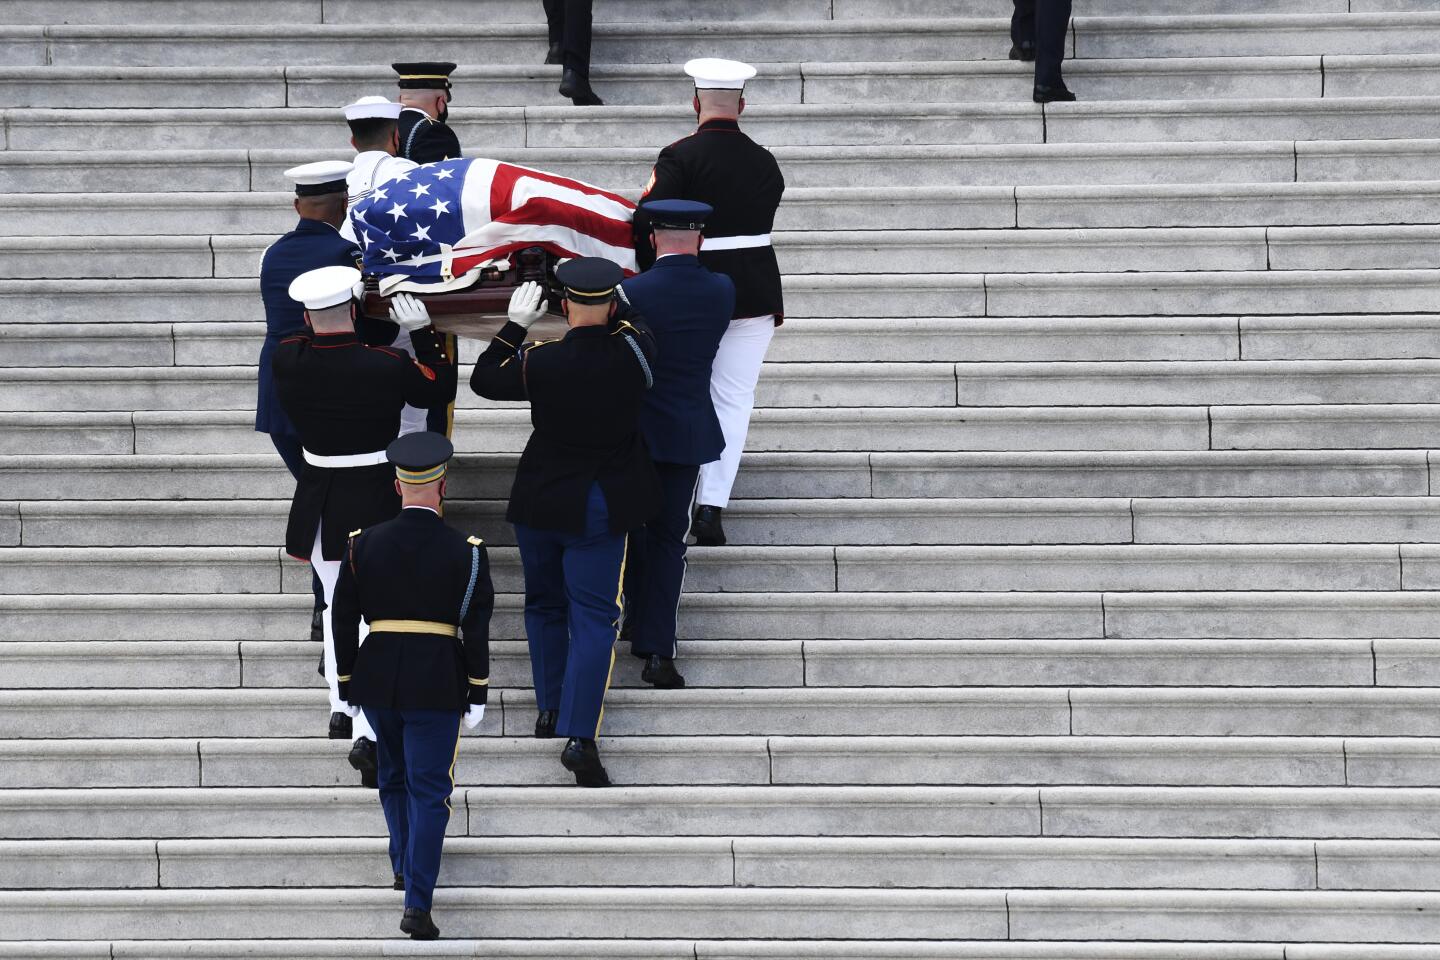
x=415, y=626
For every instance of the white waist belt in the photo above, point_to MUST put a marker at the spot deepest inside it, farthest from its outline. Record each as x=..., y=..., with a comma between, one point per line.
x=735, y=243
x=346, y=460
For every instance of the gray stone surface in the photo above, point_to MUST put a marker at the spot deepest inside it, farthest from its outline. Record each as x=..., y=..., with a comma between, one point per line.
x=1314, y=711
x=1314, y=426
x=1296, y=615
x=1336, y=338
x=1287, y=520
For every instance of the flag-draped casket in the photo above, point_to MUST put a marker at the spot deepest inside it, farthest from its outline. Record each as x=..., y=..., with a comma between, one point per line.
x=446, y=226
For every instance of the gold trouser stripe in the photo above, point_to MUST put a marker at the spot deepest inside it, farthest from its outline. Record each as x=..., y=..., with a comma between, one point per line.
x=415, y=626
x=454, y=760
x=620, y=604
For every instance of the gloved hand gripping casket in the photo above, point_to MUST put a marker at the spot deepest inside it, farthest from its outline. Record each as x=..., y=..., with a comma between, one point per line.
x=462, y=235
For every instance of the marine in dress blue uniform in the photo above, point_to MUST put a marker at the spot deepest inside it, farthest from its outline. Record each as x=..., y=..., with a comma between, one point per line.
x=423, y=588
x=583, y=483
x=688, y=309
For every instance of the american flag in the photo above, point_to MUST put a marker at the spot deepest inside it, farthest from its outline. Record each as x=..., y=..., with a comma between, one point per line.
x=442, y=219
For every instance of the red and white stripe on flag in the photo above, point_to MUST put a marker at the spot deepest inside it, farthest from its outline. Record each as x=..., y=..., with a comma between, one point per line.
x=520, y=207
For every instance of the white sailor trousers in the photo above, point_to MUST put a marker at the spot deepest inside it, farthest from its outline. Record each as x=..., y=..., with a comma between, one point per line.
x=329, y=573
x=732, y=389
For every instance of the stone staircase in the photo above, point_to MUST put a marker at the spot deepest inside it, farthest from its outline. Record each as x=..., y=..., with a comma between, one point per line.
x=1085, y=585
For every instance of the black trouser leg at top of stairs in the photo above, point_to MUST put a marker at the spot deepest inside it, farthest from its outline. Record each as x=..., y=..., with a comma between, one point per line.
x=1045, y=24
x=569, y=26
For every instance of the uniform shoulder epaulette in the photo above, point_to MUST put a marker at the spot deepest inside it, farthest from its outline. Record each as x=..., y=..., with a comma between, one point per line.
x=475, y=541
x=540, y=343
x=356, y=532
x=389, y=351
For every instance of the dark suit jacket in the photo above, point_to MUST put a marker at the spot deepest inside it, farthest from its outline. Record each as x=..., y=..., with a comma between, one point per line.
x=585, y=392
x=688, y=308
x=425, y=140
x=413, y=567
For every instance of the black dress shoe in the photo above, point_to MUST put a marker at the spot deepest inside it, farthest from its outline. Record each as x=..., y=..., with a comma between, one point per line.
x=1055, y=94
x=399, y=881
x=317, y=626
x=1022, y=51
x=661, y=672
x=708, y=530
x=340, y=726
x=555, y=55
x=545, y=724
x=418, y=924
x=582, y=758
x=577, y=87
x=362, y=758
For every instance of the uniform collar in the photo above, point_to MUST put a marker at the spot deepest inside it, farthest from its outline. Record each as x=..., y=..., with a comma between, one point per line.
x=417, y=512
x=306, y=225
x=334, y=339
x=595, y=330
x=729, y=126
x=678, y=260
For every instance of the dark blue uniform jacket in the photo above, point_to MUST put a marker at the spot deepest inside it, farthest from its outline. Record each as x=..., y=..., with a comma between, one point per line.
x=688, y=309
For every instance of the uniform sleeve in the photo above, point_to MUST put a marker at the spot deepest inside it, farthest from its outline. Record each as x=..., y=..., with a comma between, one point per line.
x=499, y=374
x=667, y=182
x=475, y=631
x=430, y=381
x=345, y=621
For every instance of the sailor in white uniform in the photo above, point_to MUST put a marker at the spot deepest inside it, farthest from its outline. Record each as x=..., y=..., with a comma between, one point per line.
x=375, y=133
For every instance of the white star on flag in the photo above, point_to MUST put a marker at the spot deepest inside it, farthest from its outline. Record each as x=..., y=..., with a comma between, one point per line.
x=380, y=194
x=421, y=233
x=402, y=178
x=420, y=190
x=391, y=254
x=441, y=207
x=397, y=210
x=444, y=174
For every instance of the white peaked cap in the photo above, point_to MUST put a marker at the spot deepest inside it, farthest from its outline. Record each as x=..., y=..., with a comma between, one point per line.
x=326, y=287
x=323, y=171
x=373, y=108
x=711, y=73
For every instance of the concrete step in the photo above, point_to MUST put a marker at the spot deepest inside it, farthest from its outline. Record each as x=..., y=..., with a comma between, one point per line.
x=659, y=760
x=1324, y=425
x=1167, y=474
x=1223, y=293
x=1275, y=519
x=1320, y=473
x=771, y=429
x=100, y=523
x=477, y=477
x=810, y=82
x=1246, y=382
x=529, y=811
x=977, y=863
x=1009, y=711
x=765, y=912
x=850, y=339
x=1400, y=813
x=805, y=124
x=738, y=569
x=515, y=11
x=810, y=616
x=243, y=224
x=127, y=170
x=1120, y=567
x=761, y=40
x=104, y=664
x=223, y=569
x=830, y=251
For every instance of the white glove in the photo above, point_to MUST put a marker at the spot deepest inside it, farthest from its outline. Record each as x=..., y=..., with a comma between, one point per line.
x=527, y=304
x=474, y=715
x=352, y=711
x=409, y=312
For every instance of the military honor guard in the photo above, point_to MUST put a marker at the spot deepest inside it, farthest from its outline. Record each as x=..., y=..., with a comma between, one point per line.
x=583, y=483
x=345, y=399
x=688, y=309
x=721, y=166
x=1037, y=32
x=375, y=134
x=315, y=242
x=422, y=591
x=569, y=25
x=425, y=134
